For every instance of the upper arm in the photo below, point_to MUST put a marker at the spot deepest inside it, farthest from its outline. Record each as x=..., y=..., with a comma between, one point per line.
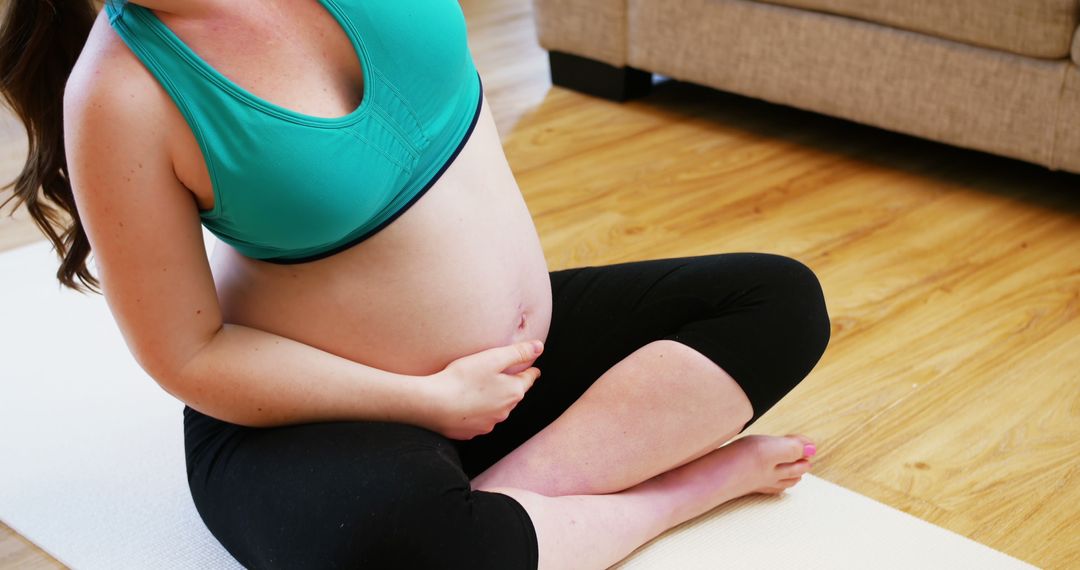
x=142, y=224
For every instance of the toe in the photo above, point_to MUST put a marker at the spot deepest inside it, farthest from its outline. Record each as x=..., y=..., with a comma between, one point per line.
x=793, y=448
x=804, y=439
x=806, y=446
x=787, y=483
x=794, y=469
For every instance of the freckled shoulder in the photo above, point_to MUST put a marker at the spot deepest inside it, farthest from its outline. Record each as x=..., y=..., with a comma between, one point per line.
x=109, y=80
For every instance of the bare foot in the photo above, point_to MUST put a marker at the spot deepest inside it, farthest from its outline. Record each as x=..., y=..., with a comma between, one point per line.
x=751, y=464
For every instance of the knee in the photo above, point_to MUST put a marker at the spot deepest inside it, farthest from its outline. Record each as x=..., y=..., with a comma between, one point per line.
x=800, y=298
x=775, y=330
x=457, y=527
x=794, y=324
x=418, y=520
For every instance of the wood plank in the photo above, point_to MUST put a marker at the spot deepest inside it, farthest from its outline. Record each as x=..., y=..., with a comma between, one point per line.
x=17, y=552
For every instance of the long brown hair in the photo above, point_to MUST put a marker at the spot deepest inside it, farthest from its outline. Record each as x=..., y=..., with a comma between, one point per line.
x=40, y=40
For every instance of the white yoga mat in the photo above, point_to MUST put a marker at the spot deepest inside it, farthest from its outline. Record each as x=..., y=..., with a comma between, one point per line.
x=92, y=465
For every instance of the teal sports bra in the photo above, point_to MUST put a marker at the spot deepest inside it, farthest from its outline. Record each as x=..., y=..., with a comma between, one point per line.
x=291, y=188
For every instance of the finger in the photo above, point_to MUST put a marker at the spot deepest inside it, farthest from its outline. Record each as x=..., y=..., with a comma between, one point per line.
x=506, y=356
x=529, y=376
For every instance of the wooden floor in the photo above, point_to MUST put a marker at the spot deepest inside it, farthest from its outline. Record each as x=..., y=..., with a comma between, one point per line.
x=951, y=386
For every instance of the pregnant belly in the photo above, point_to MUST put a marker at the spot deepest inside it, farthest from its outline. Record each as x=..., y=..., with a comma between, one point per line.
x=461, y=271
x=416, y=323
x=409, y=309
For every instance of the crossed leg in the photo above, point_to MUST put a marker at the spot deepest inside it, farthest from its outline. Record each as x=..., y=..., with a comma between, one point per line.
x=599, y=482
x=617, y=441
x=664, y=405
x=633, y=383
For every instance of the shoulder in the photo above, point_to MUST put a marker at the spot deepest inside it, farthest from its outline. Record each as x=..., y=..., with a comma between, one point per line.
x=118, y=128
x=111, y=95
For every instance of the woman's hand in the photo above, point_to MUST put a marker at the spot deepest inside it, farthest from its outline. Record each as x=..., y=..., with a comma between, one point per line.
x=475, y=392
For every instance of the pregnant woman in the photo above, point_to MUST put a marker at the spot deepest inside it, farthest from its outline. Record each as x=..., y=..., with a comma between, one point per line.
x=360, y=357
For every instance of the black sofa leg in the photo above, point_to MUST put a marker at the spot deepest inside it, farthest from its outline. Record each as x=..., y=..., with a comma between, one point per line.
x=597, y=78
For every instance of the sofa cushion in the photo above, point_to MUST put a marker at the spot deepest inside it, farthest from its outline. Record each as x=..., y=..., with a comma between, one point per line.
x=1076, y=47
x=589, y=28
x=1067, y=146
x=875, y=74
x=1037, y=28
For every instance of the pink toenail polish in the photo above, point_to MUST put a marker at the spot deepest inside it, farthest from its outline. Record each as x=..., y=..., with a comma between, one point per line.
x=809, y=450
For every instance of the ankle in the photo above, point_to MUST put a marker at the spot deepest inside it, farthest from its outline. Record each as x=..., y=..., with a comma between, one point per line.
x=671, y=504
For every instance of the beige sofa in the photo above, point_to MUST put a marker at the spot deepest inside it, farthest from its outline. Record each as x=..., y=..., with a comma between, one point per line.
x=1000, y=76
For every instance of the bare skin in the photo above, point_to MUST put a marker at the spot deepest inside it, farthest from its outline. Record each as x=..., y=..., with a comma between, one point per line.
x=596, y=531
x=462, y=271
x=456, y=290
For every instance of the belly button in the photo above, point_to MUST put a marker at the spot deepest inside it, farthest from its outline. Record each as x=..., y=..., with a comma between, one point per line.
x=521, y=323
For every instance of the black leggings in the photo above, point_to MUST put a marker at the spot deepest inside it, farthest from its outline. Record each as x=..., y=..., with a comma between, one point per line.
x=368, y=494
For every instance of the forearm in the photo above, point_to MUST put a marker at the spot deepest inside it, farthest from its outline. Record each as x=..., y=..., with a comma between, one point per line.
x=255, y=378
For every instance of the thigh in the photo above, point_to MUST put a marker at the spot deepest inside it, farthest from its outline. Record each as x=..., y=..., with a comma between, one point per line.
x=347, y=495
x=735, y=308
